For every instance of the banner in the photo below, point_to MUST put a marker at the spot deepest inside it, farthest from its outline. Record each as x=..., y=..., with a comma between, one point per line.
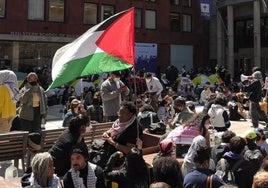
x=205, y=8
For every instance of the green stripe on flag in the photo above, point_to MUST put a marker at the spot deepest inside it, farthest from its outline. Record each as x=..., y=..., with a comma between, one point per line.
x=93, y=64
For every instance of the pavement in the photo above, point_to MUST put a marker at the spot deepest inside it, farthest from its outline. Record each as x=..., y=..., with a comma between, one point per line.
x=55, y=117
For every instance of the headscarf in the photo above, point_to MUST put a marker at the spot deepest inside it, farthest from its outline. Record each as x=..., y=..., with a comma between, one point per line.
x=9, y=78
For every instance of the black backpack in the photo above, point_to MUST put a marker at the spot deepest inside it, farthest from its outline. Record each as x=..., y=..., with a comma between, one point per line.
x=226, y=172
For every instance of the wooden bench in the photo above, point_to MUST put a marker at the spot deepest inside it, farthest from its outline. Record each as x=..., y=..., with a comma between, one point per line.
x=13, y=146
x=99, y=128
x=49, y=137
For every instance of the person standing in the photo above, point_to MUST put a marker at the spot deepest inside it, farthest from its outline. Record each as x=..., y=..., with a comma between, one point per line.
x=8, y=98
x=33, y=104
x=154, y=87
x=111, y=92
x=255, y=95
x=82, y=172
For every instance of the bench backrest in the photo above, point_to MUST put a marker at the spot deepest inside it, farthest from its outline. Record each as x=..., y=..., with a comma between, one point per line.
x=100, y=128
x=13, y=145
x=49, y=137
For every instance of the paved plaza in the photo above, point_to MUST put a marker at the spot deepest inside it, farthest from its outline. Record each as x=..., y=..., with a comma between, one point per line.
x=54, y=120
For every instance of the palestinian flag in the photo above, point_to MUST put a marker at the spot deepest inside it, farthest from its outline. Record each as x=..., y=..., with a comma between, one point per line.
x=106, y=47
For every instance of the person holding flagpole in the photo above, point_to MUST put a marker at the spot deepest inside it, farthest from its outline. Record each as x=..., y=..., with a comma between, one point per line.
x=113, y=91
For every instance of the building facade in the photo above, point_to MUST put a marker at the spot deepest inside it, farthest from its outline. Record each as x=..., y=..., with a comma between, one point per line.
x=241, y=33
x=32, y=30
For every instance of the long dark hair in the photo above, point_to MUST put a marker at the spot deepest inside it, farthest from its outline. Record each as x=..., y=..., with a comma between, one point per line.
x=137, y=170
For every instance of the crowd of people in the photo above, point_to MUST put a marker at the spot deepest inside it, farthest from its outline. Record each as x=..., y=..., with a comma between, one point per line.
x=240, y=161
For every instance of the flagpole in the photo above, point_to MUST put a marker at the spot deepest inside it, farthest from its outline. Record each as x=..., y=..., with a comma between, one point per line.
x=135, y=93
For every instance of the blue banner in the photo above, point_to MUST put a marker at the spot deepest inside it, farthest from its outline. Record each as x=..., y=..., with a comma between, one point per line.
x=205, y=8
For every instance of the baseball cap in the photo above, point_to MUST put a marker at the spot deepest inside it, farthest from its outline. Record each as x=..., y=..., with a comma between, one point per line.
x=250, y=134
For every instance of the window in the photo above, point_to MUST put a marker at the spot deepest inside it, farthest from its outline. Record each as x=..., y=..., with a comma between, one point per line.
x=186, y=3
x=187, y=23
x=36, y=9
x=2, y=8
x=138, y=18
x=174, y=21
x=90, y=13
x=106, y=11
x=174, y=2
x=150, y=19
x=56, y=10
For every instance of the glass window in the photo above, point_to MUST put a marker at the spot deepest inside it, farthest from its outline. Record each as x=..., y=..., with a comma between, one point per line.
x=56, y=10
x=138, y=17
x=90, y=13
x=174, y=2
x=106, y=11
x=150, y=19
x=186, y=3
x=174, y=21
x=2, y=8
x=187, y=23
x=36, y=9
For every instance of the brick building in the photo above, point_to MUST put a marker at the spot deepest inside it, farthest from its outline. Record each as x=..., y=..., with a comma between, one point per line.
x=32, y=30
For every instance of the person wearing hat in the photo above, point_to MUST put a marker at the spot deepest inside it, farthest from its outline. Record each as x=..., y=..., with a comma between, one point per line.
x=112, y=90
x=33, y=104
x=253, y=152
x=83, y=173
x=34, y=146
x=155, y=88
x=255, y=95
x=261, y=139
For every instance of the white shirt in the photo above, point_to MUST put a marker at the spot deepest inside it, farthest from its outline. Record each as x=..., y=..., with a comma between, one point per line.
x=154, y=85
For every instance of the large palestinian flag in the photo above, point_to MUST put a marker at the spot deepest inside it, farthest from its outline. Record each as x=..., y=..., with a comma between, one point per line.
x=106, y=47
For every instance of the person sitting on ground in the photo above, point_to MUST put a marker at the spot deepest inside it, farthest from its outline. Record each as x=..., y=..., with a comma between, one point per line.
x=219, y=117
x=206, y=94
x=236, y=111
x=159, y=185
x=82, y=172
x=199, y=176
x=42, y=174
x=260, y=180
x=168, y=170
x=244, y=171
x=188, y=162
x=218, y=151
x=128, y=175
x=61, y=150
x=166, y=149
x=261, y=139
x=147, y=116
x=253, y=152
x=183, y=113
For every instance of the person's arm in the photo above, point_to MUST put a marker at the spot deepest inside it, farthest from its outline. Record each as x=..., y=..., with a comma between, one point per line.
x=159, y=87
x=106, y=94
x=114, y=175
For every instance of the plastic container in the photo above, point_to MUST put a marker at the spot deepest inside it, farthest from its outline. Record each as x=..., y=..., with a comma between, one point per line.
x=11, y=172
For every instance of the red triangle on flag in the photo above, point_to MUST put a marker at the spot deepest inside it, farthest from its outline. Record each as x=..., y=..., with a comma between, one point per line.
x=118, y=39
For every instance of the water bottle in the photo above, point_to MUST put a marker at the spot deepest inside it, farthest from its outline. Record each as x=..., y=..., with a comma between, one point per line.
x=43, y=123
x=11, y=172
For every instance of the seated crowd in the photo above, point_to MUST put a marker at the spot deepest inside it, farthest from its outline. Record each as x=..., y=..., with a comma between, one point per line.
x=118, y=156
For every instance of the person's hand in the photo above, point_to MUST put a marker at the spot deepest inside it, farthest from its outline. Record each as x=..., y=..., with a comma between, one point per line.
x=122, y=89
x=139, y=143
x=105, y=135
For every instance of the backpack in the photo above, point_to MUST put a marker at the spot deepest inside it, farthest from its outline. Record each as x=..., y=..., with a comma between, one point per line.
x=255, y=157
x=226, y=173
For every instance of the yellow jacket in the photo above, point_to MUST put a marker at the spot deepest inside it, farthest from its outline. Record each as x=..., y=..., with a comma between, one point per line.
x=7, y=106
